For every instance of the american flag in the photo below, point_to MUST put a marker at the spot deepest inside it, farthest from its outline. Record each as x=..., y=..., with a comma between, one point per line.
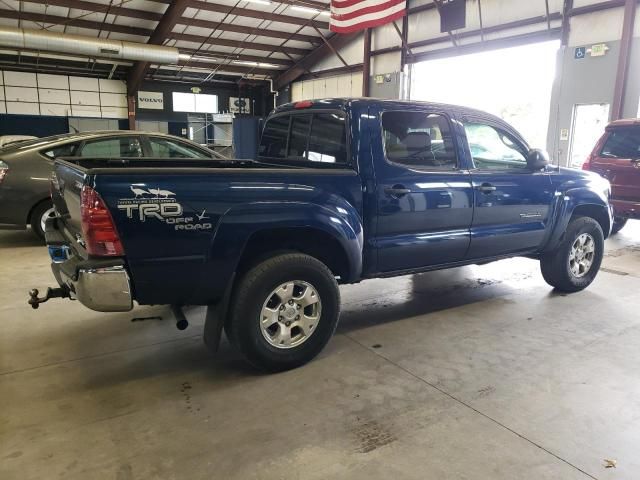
x=353, y=15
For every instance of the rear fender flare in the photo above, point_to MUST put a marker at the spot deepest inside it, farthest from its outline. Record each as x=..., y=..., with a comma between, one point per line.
x=237, y=225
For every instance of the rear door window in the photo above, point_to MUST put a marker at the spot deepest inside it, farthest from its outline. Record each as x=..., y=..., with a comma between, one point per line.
x=167, y=148
x=418, y=139
x=622, y=143
x=66, y=150
x=113, y=147
x=310, y=137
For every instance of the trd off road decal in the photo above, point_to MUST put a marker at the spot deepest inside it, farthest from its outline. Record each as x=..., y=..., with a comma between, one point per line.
x=161, y=205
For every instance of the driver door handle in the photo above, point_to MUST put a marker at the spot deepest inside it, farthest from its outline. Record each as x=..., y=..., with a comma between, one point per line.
x=486, y=188
x=396, y=191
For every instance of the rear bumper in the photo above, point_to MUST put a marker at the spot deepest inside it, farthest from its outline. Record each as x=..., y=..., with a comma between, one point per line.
x=100, y=288
x=625, y=208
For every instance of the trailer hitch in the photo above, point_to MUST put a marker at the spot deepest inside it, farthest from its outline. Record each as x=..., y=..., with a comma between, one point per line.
x=35, y=301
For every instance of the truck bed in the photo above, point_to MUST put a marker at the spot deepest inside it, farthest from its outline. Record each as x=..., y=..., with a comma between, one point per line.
x=188, y=224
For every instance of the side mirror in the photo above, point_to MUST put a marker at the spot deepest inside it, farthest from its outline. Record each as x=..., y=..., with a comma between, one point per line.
x=537, y=159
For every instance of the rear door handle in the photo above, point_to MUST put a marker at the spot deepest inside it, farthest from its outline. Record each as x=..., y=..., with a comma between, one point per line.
x=396, y=191
x=486, y=188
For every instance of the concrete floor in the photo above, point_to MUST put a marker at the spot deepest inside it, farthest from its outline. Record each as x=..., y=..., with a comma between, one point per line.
x=474, y=373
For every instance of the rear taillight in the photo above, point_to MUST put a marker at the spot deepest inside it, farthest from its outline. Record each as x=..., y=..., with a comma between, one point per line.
x=99, y=231
x=4, y=168
x=587, y=163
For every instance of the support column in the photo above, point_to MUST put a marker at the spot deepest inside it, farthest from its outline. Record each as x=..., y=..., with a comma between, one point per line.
x=623, y=59
x=131, y=109
x=366, y=62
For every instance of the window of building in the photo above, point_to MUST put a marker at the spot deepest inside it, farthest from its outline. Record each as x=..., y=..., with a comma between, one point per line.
x=194, y=103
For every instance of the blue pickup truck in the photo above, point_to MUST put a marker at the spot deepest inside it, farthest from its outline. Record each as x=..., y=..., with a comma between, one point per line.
x=343, y=190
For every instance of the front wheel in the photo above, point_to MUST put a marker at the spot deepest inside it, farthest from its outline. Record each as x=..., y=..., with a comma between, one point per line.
x=284, y=311
x=574, y=264
x=618, y=224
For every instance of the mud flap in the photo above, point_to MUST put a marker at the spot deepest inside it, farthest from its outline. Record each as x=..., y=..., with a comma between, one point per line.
x=215, y=318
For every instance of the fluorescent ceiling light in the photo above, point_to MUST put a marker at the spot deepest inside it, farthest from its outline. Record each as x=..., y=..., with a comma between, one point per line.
x=254, y=64
x=309, y=10
x=261, y=2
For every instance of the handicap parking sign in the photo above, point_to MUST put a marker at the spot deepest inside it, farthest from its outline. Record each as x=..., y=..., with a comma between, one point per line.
x=580, y=52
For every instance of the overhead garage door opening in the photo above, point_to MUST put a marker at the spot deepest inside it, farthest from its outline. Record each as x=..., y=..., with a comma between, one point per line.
x=512, y=83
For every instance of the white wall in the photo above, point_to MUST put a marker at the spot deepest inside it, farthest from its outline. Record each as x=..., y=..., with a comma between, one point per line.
x=347, y=85
x=23, y=93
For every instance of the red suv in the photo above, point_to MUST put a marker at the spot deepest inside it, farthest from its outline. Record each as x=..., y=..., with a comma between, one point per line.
x=616, y=157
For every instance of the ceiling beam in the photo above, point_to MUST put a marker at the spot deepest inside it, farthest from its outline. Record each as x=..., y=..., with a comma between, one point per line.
x=101, y=8
x=264, y=32
x=76, y=22
x=300, y=3
x=323, y=51
x=145, y=32
x=158, y=37
x=259, y=14
x=222, y=42
x=155, y=16
x=196, y=22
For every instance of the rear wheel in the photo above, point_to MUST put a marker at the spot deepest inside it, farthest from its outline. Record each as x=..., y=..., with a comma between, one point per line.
x=618, y=224
x=284, y=312
x=39, y=216
x=574, y=264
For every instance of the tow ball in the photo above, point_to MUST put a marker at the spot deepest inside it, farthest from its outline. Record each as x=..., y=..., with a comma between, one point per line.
x=35, y=301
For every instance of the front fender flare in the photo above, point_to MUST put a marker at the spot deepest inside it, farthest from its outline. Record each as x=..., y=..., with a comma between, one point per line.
x=566, y=206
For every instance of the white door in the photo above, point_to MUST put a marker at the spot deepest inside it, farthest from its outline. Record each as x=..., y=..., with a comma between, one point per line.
x=587, y=127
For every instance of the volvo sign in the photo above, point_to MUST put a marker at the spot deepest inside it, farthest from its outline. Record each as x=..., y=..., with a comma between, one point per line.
x=151, y=100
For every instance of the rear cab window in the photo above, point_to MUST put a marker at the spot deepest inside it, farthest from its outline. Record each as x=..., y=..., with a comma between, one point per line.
x=312, y=138
x=622, y=143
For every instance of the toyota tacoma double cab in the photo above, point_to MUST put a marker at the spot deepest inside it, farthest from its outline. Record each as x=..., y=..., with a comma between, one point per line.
x=342, y=190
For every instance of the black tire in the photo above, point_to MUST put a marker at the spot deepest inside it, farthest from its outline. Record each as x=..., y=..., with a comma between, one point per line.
x=255, y=289
x=36, y=217
x=555, y=265
x=618, y=224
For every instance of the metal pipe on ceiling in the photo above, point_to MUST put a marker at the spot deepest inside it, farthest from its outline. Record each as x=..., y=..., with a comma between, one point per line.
x=20, y=38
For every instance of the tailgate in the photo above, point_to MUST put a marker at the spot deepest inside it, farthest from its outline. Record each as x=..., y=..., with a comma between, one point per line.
x=66, y=186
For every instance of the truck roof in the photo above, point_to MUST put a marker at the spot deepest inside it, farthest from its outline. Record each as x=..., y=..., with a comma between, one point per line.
x=341, y=102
